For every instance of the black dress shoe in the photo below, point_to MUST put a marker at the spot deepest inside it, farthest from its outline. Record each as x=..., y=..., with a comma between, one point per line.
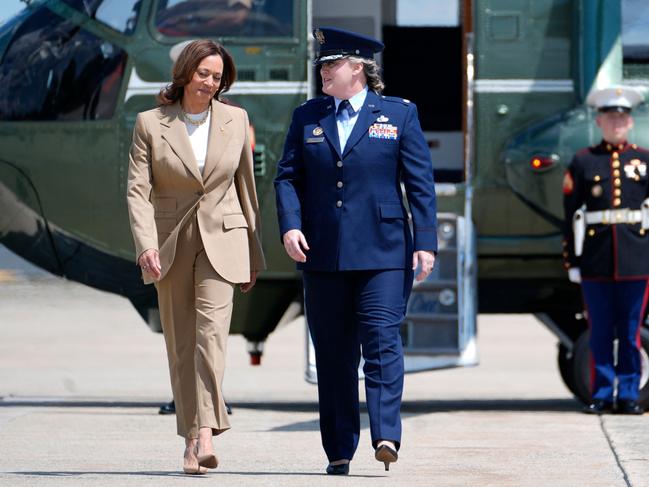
x=341, y=469
x=629, y=407
x=169, y=408
x=599, y=407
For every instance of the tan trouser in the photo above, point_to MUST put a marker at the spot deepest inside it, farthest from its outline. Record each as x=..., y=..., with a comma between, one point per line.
x=195, y=309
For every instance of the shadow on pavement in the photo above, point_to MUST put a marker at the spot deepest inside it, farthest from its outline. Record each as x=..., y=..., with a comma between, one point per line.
x=69, y=473
x=496, y=405
x=75, y=403
x=437, y=406
x=418, y=407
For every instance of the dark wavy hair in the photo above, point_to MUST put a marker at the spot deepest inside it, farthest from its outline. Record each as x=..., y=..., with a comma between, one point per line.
x=188, y=62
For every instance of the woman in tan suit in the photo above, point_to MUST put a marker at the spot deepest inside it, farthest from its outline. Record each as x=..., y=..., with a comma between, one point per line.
x=195, y=221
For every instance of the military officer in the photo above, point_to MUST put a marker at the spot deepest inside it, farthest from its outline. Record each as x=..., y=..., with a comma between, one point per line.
x=342, y=219
x=606, y=244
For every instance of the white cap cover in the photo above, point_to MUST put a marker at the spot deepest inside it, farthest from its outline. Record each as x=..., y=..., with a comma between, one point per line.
x=615, y=97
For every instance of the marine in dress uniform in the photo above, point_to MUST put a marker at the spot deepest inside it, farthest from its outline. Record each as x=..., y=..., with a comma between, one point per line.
x=605, y=247
x=342, y=218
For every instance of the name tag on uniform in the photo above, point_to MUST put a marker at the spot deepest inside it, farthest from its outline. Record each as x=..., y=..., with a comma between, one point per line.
x=383, y=131
x=314, y=140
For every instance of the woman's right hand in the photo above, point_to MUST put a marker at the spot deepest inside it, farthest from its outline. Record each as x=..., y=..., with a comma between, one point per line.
x=149, y=261
x=295, y=243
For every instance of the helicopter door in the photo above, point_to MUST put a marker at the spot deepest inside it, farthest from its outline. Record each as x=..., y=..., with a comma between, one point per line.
x=440, y=326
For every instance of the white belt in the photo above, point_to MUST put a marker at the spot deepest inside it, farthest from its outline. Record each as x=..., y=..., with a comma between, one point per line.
x=610, y=217
x=581, y=218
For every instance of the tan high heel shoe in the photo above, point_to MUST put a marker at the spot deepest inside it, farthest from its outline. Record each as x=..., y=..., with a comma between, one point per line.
x=198, y=470
x=192, y=467
x=208, y=460
x=386, y=454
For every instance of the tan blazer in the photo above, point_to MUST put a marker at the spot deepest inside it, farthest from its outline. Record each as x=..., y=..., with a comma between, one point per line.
x=165, y=186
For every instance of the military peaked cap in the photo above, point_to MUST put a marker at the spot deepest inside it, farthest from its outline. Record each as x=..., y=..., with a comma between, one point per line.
x=334, y=43
x=615, y=98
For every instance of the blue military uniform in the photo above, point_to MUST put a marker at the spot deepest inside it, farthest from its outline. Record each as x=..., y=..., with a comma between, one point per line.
x=604, y=191
x=347, y=201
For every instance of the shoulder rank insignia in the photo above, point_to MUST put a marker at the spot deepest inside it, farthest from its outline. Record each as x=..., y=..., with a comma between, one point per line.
x=568, y=183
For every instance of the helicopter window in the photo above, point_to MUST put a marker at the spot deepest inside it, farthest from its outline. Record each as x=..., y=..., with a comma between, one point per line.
x=225, y=18
x=635, y=24
x=120, y=15
x=55, y=70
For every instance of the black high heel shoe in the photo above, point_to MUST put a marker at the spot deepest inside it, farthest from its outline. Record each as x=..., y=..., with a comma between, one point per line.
x=339, y=469
x=387, y=455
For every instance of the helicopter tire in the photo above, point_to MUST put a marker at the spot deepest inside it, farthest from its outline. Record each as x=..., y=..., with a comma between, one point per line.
x=581, y=368
x=565, y=361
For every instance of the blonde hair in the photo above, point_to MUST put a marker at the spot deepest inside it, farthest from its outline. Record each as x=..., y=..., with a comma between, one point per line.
x=372, y=72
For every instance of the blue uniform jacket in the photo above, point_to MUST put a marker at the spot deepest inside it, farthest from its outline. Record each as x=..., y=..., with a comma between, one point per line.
x=349, y=205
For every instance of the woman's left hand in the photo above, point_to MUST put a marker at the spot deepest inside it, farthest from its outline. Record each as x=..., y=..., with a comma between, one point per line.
x=427, y=261
x=247, y=286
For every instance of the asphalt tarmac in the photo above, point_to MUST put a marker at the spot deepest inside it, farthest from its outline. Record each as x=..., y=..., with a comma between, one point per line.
x=81, y=379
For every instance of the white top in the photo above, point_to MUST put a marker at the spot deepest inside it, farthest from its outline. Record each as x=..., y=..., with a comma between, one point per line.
x=346, y=123
x=198, y=136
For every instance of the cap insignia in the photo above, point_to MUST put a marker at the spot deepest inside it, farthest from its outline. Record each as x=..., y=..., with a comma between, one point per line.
x=319, y=35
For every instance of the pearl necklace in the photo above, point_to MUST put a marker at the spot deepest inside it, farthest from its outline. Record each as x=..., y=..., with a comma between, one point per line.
x=193, y=121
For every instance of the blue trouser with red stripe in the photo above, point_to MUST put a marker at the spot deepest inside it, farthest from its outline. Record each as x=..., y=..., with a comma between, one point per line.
x=350, y=311
x=615, y=310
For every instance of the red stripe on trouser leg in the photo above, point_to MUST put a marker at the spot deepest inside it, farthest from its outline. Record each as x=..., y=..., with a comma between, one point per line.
x=643, y=310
